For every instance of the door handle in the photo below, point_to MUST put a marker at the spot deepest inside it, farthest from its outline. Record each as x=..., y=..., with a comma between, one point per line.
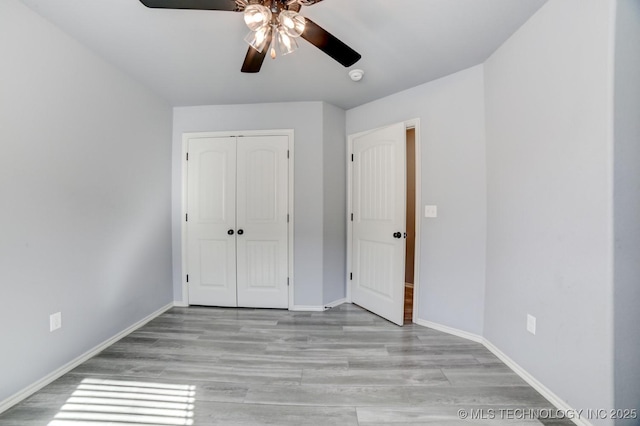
x=240, y=232
x=397, y=235
x=230, y=232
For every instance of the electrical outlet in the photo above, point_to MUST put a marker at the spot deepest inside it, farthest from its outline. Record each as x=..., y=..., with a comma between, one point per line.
x=55, y=321
x=531, y=324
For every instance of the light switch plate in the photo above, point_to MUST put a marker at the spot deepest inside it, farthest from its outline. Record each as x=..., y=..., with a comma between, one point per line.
x=430, y=211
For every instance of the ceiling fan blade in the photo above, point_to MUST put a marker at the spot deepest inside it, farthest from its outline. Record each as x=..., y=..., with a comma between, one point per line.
x=229, y=5
x=254, y=59
x=329, y=44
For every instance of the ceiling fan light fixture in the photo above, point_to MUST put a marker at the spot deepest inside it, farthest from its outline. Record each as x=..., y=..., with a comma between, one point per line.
x=257, y=16
x=292, y=23
x=286, y=44
x=259, y=39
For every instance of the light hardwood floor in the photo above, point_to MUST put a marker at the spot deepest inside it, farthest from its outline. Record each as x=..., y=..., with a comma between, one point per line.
x=345, y=366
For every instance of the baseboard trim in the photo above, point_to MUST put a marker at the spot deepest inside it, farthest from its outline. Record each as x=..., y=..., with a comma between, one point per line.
x=56, y=374
x=306, y=308
x=532, y=381
x=535, y=383
x=335, y=303
x=450, y=330
x=180, y=304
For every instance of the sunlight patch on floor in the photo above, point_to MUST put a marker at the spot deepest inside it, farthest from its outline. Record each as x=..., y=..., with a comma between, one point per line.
x=127, y=403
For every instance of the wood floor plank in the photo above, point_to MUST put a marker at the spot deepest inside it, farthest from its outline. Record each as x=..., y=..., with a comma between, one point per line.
x=401, y=396
x=282, y=415
x=278, y=362
x=482, y=376
x=247, y=375
x=375, y=377
x=446, y=416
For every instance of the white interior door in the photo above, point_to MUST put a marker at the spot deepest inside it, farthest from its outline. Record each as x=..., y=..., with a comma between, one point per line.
x=211, y=249
x=378, y=229
x=262, y=215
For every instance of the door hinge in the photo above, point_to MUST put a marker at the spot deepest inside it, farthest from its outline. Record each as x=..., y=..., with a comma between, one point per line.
x=287, y=153
x=186, y=217
x=351, y=217
x=187, y=156
x=351, y=157
x=187, y=277
x=287, y=217
x=287, y=281
x=351, y=276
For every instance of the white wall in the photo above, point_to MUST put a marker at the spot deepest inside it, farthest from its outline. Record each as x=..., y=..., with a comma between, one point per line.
x=335, y=203
x=452, y=263
x=549, y=225
x=84, y=186
x=627, y=207
x=306, y=120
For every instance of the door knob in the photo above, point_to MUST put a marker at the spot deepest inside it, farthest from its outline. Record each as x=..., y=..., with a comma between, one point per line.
x=240, y=232
x=230, y=232
x=395, y=234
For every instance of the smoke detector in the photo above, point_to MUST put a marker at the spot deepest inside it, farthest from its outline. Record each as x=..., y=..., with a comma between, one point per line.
x=356, y=75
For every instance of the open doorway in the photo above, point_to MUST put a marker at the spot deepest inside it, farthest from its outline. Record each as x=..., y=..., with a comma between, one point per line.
x=409, y=267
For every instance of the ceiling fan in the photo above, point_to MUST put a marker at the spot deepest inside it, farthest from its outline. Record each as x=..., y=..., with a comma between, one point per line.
x=273, y=23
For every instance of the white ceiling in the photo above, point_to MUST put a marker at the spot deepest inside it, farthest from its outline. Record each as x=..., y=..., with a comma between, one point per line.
x=194, y=57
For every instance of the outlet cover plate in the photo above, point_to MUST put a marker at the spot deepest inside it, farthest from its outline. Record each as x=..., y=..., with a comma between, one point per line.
x=55, y=321
x=531, y=324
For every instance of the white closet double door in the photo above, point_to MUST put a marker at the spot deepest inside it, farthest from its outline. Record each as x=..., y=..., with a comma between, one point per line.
x=237, y=214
